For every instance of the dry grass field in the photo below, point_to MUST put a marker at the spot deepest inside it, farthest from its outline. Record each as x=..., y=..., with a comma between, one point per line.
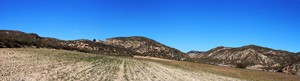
x=244, y=74
x=29, y=64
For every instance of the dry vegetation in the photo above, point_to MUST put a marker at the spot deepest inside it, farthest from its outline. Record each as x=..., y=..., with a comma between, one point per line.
x=225, y=71
x=45, y=64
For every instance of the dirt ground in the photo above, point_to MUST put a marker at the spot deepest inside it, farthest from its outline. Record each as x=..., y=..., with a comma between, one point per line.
x=19, y=64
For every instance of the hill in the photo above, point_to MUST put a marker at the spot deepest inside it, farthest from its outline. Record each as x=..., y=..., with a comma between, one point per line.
x=253, y=56
x=17, y=39
x=147, y=47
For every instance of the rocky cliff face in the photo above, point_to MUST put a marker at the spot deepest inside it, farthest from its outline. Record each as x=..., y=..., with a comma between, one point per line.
x=146, y=46
x=253, y=56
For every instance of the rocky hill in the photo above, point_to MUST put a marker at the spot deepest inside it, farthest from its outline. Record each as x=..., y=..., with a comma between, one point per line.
x=17, y=39
x=148, y=47
x=253, y=56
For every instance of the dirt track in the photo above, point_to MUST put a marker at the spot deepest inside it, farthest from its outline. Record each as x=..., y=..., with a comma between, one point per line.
x=45, y=64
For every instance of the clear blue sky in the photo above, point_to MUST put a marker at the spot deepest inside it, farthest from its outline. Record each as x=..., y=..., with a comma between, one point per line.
x=182, y=24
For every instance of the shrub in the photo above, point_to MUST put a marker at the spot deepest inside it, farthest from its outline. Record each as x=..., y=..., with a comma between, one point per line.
x=241, y=65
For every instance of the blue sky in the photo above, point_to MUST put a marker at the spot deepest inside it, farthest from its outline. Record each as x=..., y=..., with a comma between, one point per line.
x=182, y=24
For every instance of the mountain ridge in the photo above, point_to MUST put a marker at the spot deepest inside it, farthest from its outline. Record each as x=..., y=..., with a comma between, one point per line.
x=17, y=39
x=254, y=56
x=149, y=47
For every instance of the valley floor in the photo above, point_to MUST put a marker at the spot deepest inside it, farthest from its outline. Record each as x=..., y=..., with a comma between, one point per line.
x=46, y=64
x=55, y=65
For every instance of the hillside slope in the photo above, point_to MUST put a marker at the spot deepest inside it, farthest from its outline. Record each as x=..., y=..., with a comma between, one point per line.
x=253, y=56
x=292, y=68
x=146, y=46
x=17, y=39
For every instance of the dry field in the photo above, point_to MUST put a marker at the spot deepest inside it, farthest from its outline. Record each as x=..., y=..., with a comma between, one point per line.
x=28, y=64
x=244, y=74
x=19, y=64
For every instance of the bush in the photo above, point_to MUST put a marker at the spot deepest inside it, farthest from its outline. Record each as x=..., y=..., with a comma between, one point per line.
x=241, y=65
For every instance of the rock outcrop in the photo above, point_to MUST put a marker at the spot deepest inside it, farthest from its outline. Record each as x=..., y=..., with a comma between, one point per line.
x=146, y=46
x=251, y=55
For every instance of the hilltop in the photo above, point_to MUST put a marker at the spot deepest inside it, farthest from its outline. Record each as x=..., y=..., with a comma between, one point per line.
x=147, y=47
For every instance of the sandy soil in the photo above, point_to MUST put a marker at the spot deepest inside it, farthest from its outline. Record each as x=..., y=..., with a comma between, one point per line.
x=58, y=65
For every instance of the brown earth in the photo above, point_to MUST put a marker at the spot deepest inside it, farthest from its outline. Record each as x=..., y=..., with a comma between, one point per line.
x=49, y=65
x=250, y=75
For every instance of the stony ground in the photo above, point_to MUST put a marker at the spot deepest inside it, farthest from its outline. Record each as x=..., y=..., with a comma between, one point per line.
x=56, y=65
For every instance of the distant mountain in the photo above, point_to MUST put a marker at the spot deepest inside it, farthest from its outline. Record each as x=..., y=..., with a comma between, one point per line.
x=251, y=55
x=146, y=46
x=192, y=54
x=17, y=39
